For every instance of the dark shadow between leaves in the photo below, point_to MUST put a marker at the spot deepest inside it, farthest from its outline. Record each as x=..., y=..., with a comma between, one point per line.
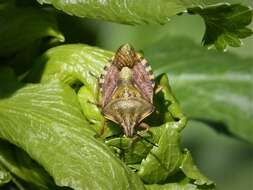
x=180, y=177
x=17, y=158
x=8, y=82
x=35, y=74
x=158, y=117
x=218, y=126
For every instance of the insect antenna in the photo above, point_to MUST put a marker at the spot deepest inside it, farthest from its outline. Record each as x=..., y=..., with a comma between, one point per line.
x=145, y=139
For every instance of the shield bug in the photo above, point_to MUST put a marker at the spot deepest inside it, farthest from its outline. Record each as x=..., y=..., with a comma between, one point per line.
x=127, y=87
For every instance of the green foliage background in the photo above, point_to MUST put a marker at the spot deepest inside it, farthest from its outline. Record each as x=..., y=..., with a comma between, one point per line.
x=47, y=127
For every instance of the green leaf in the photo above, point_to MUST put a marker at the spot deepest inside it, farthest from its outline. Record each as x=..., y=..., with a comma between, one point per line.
x=22, y=26
x=212, y=87
x=163, y=160
x=225, y=24
x=45, y=120
x=172, y=186
x=79, y=66
x=192, y=172
x=128, y=12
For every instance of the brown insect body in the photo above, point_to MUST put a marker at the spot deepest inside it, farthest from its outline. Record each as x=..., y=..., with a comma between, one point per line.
x=127, y=89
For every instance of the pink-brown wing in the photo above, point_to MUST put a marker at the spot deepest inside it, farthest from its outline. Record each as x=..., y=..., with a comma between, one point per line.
x=108, y=83
x=144, y=79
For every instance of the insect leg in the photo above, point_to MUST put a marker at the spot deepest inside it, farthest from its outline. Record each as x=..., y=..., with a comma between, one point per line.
x=144, y=126
x=158, y=89
x=145, y=139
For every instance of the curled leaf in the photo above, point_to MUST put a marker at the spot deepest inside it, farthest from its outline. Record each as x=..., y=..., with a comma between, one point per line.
x=46, y=121
x=226, y=24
